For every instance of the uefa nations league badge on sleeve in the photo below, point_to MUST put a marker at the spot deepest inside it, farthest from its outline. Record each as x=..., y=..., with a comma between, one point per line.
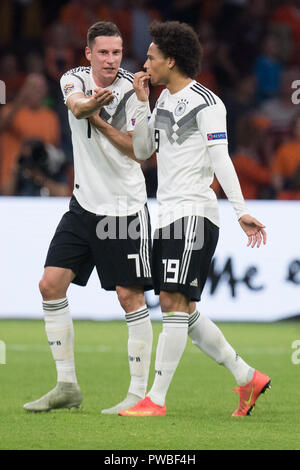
x=216, y=136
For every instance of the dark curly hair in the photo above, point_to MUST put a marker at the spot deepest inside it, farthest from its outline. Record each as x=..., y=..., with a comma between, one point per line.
x=180, y=42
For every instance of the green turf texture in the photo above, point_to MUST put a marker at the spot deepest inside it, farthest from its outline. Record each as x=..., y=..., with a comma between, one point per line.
x=199, y=402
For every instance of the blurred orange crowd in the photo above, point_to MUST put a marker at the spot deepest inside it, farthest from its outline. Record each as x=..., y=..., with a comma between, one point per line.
x=251, y=59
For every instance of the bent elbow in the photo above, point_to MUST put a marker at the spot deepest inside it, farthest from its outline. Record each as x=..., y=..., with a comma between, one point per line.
x=142, y=153
x=142, y=157
x=78, y=112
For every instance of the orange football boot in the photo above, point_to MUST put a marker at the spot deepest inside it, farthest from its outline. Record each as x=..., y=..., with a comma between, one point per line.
x=145, y=407
x=250, y=392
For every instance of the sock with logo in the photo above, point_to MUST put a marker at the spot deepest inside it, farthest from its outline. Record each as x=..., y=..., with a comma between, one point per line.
x=140, y=338
x=170, y=347
x=209, y=339
x=60, y=333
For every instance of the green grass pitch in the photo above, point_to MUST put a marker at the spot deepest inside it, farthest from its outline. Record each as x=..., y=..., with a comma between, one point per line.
x=199, y=402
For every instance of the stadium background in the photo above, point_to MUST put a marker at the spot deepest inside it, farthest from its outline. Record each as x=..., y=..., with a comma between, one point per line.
x=251, y=59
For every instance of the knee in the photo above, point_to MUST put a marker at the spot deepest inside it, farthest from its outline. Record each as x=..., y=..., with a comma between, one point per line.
x=49, y=290
x=130, y=299
x=167, y=303
x=173, y=302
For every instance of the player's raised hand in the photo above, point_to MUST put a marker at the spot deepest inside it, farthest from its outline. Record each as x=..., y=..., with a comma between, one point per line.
x=254, y=230
x=103, y=96
x=141, y=85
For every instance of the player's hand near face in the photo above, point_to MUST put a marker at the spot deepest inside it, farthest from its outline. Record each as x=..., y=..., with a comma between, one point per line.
x=254, y=230
x=141, y=85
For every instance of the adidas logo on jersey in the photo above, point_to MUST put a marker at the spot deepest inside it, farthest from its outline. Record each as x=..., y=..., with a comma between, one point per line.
x=194, y=283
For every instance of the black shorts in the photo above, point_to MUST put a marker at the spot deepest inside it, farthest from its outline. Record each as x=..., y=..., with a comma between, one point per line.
x=182, y=254
x=119, y=247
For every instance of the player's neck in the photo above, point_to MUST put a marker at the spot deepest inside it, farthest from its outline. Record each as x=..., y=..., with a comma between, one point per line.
x=102, y=81
x=177, y=83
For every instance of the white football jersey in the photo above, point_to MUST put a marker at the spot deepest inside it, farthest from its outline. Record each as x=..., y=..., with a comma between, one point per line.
x=184, y=125
x=106, y=181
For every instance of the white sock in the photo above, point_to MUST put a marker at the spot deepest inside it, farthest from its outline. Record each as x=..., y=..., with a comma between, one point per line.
x=60, y=333
x=170, y=347
x=140, y=338
x=209, y=338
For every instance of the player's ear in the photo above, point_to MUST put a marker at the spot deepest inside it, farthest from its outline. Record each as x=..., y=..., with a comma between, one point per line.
x=88, y=53
x=171, y=63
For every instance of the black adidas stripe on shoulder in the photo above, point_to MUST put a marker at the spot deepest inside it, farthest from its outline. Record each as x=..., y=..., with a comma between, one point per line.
x=78, y=69
x=205, y=92
x=79, y=78
x=126, y=78
x=125, y=74
x=201, y=94
x=129, y=79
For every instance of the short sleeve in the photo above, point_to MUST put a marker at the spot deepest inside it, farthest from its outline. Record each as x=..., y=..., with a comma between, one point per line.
x=71, y=84
x=212, y=124
x=131, y=108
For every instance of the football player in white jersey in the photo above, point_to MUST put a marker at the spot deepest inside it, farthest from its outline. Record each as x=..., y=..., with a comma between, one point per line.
x=188, y=131
x=107, y=226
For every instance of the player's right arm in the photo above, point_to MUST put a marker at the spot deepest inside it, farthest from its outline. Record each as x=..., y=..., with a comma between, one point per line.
x=84, y=107
x=73, y=89
x=142, y=138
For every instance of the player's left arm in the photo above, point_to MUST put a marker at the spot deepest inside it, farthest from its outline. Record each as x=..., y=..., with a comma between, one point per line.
x=227, y=177
x=254, y=229
x=121, y=140
x=213, y=128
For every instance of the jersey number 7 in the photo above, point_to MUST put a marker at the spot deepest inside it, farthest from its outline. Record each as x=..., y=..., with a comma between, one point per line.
x=156, y=139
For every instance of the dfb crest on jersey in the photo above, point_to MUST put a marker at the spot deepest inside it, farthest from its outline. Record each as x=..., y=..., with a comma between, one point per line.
x=181, y=107
x=114, y=102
